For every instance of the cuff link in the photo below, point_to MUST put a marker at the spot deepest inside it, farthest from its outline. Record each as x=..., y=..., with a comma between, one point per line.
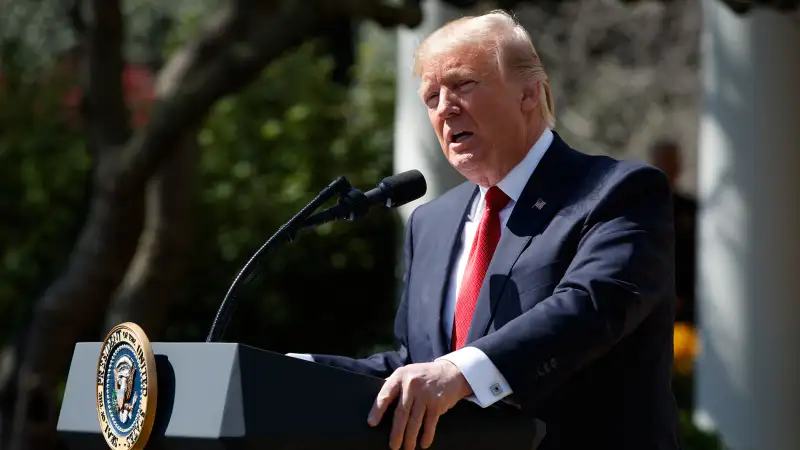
x=496, y=389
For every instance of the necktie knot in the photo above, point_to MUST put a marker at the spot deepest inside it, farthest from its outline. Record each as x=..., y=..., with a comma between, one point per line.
x=496, y=199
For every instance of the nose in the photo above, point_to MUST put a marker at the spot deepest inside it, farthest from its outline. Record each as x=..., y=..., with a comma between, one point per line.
x=448, y=105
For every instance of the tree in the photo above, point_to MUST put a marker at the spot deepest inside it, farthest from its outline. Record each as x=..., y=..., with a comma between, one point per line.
x=240, y=39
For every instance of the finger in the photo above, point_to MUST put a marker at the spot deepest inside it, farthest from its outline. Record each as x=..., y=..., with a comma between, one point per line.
x=382, y=401
x=401, y=413
x=431, y=420
x=414, y=424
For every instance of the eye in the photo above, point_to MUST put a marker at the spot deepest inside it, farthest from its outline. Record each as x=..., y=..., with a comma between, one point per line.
x=466, y=84
x=430, y=99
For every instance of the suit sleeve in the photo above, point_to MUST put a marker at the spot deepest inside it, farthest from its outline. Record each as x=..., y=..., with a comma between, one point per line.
x=622, y=269
x=383, y=364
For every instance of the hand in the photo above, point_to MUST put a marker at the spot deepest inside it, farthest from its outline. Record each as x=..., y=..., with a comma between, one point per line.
x=425, y=391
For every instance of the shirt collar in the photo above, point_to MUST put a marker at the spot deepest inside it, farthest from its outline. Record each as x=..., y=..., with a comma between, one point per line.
x=514, y=183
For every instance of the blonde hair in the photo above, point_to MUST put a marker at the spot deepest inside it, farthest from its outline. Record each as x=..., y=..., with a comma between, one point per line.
x=499, y=32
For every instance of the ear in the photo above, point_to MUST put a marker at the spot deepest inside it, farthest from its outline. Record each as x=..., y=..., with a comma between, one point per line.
x=530, y=97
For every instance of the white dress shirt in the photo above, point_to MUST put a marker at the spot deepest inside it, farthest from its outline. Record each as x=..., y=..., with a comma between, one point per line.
x=487, y=383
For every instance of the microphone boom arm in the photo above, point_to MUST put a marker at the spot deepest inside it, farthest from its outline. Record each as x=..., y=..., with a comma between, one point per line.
x=285, y=233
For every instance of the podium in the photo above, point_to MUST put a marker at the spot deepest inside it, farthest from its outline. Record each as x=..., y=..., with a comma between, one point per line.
x=232, y=396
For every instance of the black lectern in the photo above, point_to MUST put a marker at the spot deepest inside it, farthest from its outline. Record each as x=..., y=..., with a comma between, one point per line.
x=231, y=396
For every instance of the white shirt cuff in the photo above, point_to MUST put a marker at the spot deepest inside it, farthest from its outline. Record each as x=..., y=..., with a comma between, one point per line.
x=487, y=383
x=305, y=356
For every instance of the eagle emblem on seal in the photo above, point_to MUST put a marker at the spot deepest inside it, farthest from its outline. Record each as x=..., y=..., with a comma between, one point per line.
x=124, y=374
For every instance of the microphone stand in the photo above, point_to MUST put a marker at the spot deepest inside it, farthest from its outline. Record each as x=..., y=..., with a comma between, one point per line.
x=285, y=233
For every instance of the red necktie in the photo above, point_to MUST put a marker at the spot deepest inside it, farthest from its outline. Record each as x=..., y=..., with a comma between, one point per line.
x=483, y=246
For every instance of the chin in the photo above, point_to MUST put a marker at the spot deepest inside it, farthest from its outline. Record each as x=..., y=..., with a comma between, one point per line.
x=463, y=162
x=467, y=158
x=470, y=170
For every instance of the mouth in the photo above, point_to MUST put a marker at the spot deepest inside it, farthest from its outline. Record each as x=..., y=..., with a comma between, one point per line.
x=460, y=137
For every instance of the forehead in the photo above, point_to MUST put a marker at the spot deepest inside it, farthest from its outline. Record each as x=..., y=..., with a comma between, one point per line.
x=445, y=61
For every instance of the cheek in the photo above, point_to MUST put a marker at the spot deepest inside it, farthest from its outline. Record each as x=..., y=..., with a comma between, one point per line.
x=493, y=120
x=508, y=115
x=436, y=123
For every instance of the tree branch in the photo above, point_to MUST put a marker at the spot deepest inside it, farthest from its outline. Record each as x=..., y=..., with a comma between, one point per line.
x=155, y=273
x=154, y=276
x=9, y=357
x=109, y=125
x=76, y=17
x=408, y=13
x=240, y=40
x=237, y=43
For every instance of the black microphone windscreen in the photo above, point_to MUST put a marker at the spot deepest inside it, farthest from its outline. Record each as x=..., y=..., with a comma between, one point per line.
x=405, y=187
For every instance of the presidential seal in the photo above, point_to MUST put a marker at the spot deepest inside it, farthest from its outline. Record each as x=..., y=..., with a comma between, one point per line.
x=126, y=388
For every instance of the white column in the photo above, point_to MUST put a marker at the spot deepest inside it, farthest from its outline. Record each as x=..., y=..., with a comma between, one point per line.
x=748, y=376
x=415, y=143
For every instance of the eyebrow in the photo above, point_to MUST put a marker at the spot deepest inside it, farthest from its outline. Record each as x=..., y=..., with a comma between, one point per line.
x=450, y=74
x=458, y=72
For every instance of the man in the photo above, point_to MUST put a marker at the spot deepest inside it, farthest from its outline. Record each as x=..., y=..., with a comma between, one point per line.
x=544, y=281
x=666, y=155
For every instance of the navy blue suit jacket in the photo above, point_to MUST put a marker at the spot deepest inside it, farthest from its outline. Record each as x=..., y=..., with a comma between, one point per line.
x=577, y=307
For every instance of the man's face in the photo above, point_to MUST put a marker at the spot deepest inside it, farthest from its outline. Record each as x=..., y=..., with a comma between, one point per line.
x=480, y=118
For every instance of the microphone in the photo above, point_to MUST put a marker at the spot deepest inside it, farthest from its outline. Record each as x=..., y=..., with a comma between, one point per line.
x=391, y=192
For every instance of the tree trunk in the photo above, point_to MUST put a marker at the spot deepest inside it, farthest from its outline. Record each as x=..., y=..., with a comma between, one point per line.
x=9, y=357
x=68, y=308
x=76, y=300
x=154, y=276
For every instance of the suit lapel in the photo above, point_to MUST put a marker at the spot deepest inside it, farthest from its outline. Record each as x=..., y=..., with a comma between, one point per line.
x=542, y=197
x=449, y=228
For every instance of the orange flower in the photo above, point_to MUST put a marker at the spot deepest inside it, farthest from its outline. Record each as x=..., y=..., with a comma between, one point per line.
x=685, y=345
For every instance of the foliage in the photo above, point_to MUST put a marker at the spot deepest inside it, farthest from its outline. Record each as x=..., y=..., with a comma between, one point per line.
x=697, y=439
x=622, y=74
x=264, y=153
x=40, y=32
x=44, y=174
